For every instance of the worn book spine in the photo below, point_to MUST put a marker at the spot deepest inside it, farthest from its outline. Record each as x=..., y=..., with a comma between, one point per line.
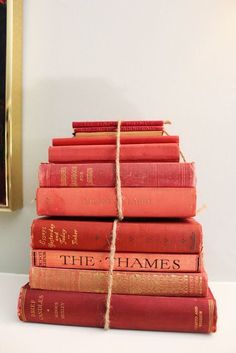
x=184, y=236
x=122, y=128
x=77, y=124
x=122, y=261
x=111, y=140
x=102, y=202
x=127, y=311
x=124, y=282
x=103, y=174
x=122, y=134
x=162, y=152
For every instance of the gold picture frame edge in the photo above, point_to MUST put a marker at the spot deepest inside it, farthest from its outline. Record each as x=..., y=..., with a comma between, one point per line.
x=13, y=122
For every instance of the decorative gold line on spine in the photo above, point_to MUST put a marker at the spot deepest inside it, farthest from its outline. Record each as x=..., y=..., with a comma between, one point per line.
x=211, y=308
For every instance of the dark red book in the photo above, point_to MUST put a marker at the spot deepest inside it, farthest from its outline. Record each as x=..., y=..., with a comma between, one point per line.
x=111, y=140
x=162, y=152
x=127, y=311
x=170, y=236
x=102, y=202
x=78, y=124
x=103, y=174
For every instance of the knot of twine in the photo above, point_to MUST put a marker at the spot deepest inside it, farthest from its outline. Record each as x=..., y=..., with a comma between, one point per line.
x=114, y=230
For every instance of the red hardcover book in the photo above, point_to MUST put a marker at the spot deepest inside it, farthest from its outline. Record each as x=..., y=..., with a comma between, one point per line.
x=102, y=202
x=77, y=124
x=180, y=236
x=103, y=175
x=124, y=282
x=111, y=140
x=127, y=311
x=93, y=260
x=114, y=129
x=162, y=152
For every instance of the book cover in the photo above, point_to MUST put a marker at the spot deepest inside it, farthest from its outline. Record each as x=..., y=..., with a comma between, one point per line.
x=158, y=236
x=111, y=140
x=102, y=202
x=124, y=282
x=77, y=124
x=122, y=261
x=127, y=311
x=162, y=152
x=104, y=175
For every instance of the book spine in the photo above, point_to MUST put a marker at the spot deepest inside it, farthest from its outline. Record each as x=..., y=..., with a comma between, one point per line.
x=122, y=261
x=103, y=174
x=102, y=202
x=126, y=134
x=124, y=282
x=77, y=124
x=111, y=140
x=128, y=311
x=162, y=152
x=122, y=128
x=157, y=237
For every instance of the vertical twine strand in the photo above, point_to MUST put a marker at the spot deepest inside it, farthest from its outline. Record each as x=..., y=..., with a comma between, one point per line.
x=110, y=275
x=114, y=230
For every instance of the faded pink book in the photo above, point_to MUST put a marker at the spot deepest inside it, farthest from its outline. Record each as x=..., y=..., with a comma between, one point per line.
x=123, y=261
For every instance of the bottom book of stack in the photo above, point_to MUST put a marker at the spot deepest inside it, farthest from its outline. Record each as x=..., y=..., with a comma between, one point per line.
x=128, y=311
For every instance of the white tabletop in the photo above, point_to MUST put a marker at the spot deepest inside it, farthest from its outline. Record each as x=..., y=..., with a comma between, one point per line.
x=21, y=337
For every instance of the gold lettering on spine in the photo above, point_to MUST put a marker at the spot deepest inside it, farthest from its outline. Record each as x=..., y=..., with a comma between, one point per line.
x=56, y=315
x=90, y=176
x=196, y=318
x=74, y=176
x=32, y=308
x=62, y=311
x=63, y=176
x=211, y=308
x=43, y=239
x=40, y=307
x=75, y=237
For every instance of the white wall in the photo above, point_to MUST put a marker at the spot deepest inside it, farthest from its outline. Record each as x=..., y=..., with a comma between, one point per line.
x=110, y=59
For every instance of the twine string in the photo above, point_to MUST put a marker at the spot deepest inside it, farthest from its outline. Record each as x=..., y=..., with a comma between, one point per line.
x=114, y=230
x=180, y=152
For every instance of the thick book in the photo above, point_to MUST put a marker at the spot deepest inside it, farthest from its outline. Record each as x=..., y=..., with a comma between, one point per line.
x=111, y=140
x=159, y=152
x=158, y=236
x=124, y=282
x=77, y=124
x=127, y=311
x=122, y=128
x=102, y=202
x=104, y=174
x=98, y=260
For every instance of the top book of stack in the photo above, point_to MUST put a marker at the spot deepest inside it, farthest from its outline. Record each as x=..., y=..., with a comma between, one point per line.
x=79, y=179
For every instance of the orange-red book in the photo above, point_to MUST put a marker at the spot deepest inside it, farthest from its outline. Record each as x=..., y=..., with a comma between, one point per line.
x=122, y=261
x=102, y=202
x=124, y=282
x=149, y=152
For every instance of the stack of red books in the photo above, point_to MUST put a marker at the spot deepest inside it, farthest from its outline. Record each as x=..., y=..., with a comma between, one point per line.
x=159, y=282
